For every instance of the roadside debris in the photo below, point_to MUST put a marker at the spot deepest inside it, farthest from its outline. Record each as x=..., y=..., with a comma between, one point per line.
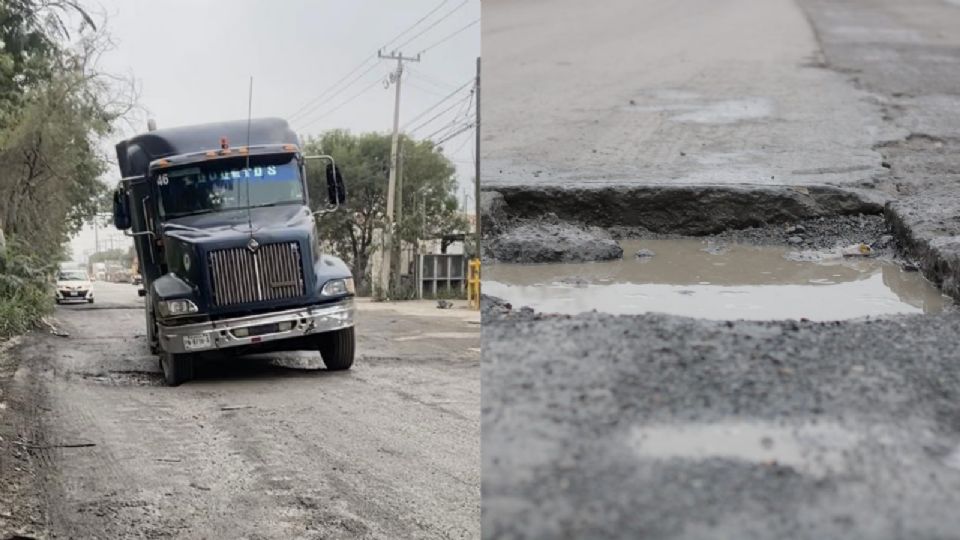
x=444, y=304
x=909, y=266
x=53, y=328
x=49, y=446
x=857, y=250
x=715, y=248
x=644, y=253
x=235, y=407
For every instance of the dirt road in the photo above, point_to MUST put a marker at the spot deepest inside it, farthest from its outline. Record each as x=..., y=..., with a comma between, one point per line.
x=265, y=447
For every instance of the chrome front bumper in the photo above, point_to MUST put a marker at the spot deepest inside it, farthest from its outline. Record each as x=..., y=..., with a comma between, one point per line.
x=223, y=334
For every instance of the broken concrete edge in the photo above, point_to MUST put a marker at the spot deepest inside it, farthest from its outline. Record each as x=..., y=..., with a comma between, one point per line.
x=694, y=210
x=937, y=256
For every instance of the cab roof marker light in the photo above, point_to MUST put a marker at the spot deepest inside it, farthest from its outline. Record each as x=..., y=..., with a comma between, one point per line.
x=290, y=147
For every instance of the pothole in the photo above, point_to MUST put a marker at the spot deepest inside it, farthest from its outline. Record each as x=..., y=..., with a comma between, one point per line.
x=697, y=278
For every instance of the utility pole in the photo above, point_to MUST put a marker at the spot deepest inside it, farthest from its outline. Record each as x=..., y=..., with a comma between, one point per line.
x=399, y=242
x=96, y=232
x=476, y=160
x=392, y=183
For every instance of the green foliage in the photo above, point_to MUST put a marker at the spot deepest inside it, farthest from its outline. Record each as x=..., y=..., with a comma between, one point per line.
x=25, y=294
x=429, y=194
x=54, y=110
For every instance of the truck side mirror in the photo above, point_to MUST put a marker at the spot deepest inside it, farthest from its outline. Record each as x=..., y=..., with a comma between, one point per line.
x=336, y=190
x=121, y=215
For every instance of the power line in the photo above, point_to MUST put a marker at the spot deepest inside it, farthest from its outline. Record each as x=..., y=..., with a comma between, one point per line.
x=342, y=104
x=327, y=90
x=360, y=66
x=412, y=26
x=454, y=129
x=447, y=129
x=439, y=114
x=435, y=23
x=446, y=87
x=437, y=104
x=428, y=89
x=329, y=98
x=459, y=148
x=449, y=37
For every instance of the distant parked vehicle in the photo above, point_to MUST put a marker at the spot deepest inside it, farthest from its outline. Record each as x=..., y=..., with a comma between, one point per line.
x=137, y=279
x=73, y=286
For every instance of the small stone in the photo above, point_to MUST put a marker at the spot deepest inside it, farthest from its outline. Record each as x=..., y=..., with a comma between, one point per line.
x=796, y=229
x=645, y=253
x=795, y=240
x=883, y=241
x=910, y=267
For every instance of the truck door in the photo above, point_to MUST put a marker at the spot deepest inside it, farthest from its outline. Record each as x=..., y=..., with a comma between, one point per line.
x=143, y=219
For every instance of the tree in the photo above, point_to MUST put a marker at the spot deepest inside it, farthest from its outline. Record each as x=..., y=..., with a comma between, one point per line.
x=55, y=108
x=429, y=194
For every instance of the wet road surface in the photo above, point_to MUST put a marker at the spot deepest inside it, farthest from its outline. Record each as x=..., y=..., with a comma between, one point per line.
x=654, y=426
x=267, y=447
x=698, y=278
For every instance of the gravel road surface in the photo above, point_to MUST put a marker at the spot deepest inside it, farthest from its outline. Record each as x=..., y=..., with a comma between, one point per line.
x=265, y=447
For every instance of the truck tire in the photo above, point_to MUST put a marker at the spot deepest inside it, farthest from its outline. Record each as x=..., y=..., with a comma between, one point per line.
x=177, y=368
x=336, y=349
x=152, y=340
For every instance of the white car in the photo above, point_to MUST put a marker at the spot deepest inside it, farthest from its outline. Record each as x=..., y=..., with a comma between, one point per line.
x=74, y=286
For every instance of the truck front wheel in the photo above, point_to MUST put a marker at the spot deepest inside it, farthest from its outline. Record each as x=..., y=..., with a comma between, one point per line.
x=177, y=368
x=336, y=349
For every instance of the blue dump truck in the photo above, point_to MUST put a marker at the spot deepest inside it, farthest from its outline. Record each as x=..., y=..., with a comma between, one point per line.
x=228, y=246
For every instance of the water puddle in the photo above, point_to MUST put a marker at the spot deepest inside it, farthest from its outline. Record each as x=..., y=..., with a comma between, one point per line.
x=809, y=448
x=694, y=278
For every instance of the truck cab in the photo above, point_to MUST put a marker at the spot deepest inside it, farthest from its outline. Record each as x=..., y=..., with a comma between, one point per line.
x=227, y=244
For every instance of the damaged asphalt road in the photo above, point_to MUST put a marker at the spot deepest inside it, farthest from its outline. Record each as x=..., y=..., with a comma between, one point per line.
x=655, y=426
x=804, y=430
x=268, y=447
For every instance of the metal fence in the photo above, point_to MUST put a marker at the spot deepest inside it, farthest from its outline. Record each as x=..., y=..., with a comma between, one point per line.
x=441, y=275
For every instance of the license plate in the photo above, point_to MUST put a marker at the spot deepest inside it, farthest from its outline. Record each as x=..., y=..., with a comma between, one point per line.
x=201, y=341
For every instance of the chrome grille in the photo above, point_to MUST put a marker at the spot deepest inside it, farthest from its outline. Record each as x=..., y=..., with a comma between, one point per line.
x=271, y=272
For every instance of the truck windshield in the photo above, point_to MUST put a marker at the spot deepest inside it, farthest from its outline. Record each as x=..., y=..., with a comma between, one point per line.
x=225, y=185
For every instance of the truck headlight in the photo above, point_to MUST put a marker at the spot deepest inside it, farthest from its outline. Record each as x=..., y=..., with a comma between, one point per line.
x=174, y=308
x=337, y=287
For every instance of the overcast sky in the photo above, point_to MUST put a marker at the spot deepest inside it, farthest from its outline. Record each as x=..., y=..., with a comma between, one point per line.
x=193, y=59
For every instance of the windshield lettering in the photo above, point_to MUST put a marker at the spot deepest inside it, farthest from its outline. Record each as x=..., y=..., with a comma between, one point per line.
x=213, y=187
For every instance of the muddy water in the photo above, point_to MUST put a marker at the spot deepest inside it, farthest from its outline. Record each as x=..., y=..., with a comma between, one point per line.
x=698, y=279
